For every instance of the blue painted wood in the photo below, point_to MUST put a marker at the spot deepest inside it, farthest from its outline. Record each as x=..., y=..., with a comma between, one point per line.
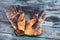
x=50, y=31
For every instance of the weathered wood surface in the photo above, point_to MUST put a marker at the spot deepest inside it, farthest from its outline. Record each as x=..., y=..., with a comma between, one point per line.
x=50, y=31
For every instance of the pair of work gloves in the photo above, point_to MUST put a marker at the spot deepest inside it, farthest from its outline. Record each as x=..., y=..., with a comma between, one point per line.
x=31, y=27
